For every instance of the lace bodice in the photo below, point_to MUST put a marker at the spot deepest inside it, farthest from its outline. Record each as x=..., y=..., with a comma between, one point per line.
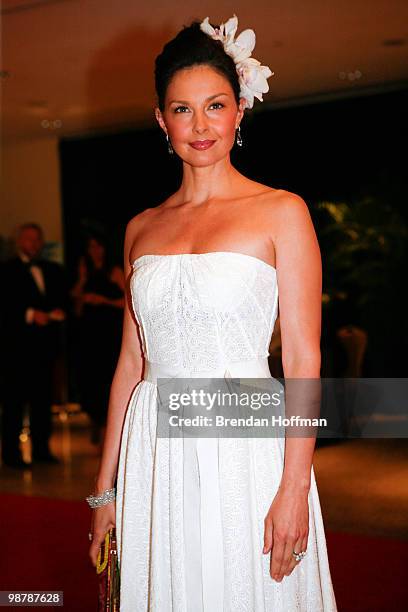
x=198, y=311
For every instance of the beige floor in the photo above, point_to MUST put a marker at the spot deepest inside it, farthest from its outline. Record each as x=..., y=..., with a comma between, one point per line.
x=363, y=484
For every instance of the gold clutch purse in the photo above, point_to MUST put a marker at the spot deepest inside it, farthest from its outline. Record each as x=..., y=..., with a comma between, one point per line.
x=107, y=569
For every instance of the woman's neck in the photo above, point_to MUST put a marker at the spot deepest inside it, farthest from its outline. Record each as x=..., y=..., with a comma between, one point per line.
x=201, y=184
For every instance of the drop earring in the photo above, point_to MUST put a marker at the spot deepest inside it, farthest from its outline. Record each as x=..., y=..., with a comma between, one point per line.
x=239, y=137
x=169, y=146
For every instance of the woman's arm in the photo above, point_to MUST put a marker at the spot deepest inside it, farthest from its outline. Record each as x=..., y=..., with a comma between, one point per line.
x=299, y=275
x=298, y=264
x=76, y=292
x=127, y=374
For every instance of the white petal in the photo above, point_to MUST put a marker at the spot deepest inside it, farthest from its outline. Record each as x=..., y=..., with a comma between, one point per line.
x=252, y=60
x=206, y=27
x=230, y=49
x=231, y=27
x=241, y=54
x=236, y=52
x=246, y=40
x=248, y=63
x=249, y=75
x=258, y=95
x=259, y=83
x=266, y=71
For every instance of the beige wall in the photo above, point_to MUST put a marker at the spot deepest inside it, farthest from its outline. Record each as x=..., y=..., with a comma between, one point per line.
x=30, y=189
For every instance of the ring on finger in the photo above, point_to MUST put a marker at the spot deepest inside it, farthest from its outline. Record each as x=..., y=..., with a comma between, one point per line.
x=90, y=536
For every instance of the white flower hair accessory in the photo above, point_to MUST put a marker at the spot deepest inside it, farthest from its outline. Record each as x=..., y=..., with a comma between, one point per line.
x=252, y=76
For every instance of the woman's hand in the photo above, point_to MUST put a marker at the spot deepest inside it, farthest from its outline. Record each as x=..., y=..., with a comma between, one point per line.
x=286, y=530
x=40, y=317
x=103, y=519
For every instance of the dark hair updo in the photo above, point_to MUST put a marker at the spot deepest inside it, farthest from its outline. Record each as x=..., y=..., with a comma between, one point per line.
x=192, y=47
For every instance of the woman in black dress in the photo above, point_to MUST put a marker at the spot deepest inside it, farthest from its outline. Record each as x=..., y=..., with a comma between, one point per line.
x=99, y=301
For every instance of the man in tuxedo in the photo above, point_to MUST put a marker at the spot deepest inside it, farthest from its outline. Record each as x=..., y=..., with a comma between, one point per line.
x=34, y=303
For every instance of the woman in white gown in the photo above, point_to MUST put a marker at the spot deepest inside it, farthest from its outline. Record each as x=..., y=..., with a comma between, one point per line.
x=212, y=524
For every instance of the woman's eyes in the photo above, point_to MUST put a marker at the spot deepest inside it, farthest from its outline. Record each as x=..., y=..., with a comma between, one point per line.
x=219, y=104
x=178, y=107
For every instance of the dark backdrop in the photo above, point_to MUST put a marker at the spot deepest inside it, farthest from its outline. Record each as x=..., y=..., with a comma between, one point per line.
x=344, y=150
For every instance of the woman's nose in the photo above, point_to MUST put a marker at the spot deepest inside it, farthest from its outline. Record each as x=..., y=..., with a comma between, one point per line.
x=200, y=123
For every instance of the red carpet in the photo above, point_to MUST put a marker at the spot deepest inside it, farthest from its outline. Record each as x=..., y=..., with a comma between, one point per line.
x=45, y=546
x=369, y=574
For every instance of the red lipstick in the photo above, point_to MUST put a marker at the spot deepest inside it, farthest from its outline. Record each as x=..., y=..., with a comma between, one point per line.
x=201, y=145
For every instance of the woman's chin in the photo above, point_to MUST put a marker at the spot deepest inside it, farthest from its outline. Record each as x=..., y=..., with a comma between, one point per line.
x=204, y=158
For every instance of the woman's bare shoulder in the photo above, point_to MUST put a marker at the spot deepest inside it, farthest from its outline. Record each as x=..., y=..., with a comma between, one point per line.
x=145, y=216
x=137, y=223
x=282, y=203
x=281, y=211
x=137, y=226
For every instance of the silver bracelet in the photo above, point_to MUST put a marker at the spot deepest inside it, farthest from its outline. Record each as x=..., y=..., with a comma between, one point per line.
x=96, y=501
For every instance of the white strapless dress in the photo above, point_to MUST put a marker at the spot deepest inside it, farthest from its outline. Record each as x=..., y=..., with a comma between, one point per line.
x=190, y=512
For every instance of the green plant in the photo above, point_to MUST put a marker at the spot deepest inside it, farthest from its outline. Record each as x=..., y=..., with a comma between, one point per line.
x=364, y=249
